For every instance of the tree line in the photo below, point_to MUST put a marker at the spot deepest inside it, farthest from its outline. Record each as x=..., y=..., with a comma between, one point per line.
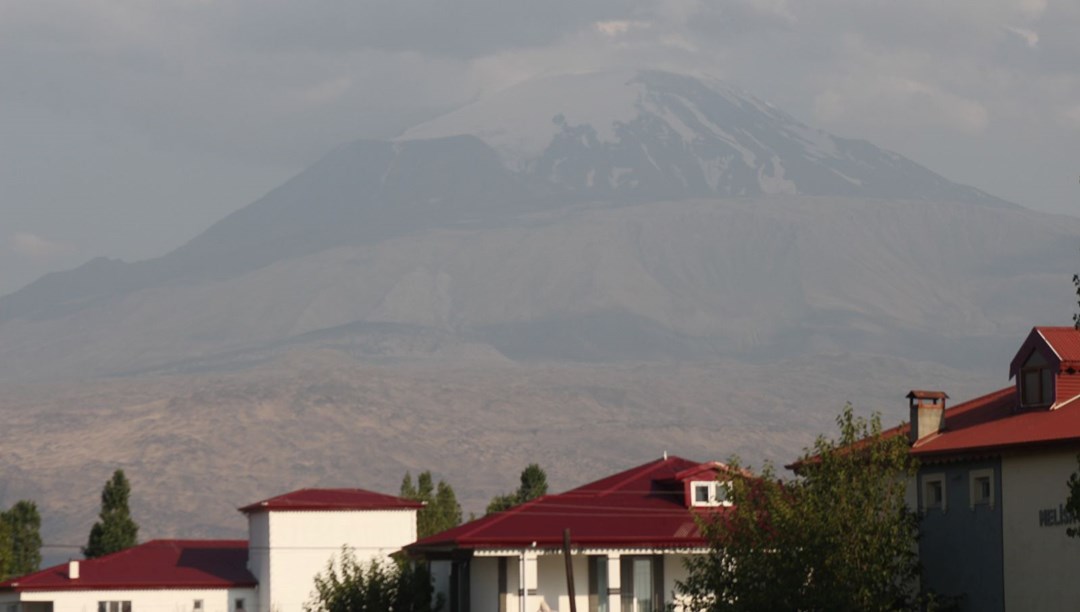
x=20, y=530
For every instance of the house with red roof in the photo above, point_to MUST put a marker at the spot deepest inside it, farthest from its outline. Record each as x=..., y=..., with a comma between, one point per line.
x=157, y=575
x=629, y=536
x=992, y=482
x=292, y=537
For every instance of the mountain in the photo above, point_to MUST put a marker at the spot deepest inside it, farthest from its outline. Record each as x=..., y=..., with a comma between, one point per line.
x=626, y=214
x=583, y=270
x=647, y=135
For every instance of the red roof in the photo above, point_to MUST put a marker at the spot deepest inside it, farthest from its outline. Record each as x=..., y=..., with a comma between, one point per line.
x=332, y=499
x=1063, y=342
x=644, y=506
x=157, y=564
x=995, y=421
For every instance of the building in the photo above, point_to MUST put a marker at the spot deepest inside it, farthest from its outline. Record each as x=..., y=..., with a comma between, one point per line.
x=196, y=575
x=292, y=537
x=630, y=534
x=992, y=482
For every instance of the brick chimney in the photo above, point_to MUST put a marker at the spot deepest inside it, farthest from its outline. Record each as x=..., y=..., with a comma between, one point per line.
x=927, y=410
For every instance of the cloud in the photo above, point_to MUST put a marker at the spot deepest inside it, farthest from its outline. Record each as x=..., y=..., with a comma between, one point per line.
x=619, y=27
x=38, y=249
x=1070, y=117
x=902, y=103
x=1031, y=37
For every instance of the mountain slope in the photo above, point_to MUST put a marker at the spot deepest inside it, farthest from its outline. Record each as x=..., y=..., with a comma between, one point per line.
x=682, y=280
x=648, y=135
x=617, y=137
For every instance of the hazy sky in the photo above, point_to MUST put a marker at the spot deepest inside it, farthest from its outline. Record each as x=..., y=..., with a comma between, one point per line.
x=127, y=126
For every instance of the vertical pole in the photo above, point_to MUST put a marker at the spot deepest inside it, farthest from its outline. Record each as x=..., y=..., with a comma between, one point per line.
x=569, y=569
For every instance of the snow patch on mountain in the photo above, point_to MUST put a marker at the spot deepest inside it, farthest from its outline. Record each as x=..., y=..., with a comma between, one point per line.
x=519, y=122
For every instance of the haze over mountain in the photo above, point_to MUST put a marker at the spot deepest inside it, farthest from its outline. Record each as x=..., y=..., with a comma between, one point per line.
x=620, y=236
x=670, y=257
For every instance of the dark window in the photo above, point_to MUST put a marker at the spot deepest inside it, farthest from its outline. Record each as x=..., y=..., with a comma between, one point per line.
x=598, y=584
x=1036, y=381
x=642, y=583
x=934, y=492
x=701, y=494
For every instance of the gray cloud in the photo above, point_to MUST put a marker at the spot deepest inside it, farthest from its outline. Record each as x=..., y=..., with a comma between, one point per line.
x=161, y=117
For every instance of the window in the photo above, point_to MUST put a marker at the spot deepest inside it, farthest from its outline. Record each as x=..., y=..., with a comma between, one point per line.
x=239, y=604
x=981, y=484
x=598, y=583
x=197, y=606
x=642, y=579
x=933, y=492
x=114, y=606
x=709, y=493
x=1036, y=381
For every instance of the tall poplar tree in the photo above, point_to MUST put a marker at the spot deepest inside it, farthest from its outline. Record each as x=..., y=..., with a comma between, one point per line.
x=22, y=542
x=441, y=509
x=115, y=529
x=533, y=484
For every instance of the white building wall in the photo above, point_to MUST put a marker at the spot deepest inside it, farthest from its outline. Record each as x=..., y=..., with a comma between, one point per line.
x=259, y=553
x=674, y=571
x=155, y=600
x=484, y=584
x=551, y=570
x=1040, y=561
x=301, y=544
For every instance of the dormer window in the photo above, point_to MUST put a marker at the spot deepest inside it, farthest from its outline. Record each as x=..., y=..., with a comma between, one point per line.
x=1036, y=381
x=709, y=493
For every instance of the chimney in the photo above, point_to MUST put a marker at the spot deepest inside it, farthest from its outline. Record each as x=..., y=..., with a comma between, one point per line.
x=927, y=413
x=73, y=570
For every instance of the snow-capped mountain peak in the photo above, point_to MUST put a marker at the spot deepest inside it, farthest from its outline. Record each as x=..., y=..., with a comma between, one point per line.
x=646, y=134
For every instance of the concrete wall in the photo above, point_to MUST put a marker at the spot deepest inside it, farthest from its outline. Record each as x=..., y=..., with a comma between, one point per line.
x=1040, y=560
x=961, y=547
x=157, y=600
x=301, y=544
x=674, y=571
x=259, y=553
x=484, y=584
x=551, y=588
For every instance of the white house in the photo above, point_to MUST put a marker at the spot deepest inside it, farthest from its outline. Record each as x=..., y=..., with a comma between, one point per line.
x=630, y=534
x=292, y=537
x=195, y=575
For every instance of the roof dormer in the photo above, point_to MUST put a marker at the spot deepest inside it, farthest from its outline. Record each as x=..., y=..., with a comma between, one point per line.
x=1046, y=368
x=706, y=485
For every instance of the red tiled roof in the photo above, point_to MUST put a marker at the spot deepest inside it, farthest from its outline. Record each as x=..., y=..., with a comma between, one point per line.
x=1064, y=343
x=1064, y=340
x=640, y=507
x=332, y=499
x=157, y=564
x=993, y=422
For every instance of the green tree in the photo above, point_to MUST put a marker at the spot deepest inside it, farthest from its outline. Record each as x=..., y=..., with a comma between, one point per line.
x=22, y=524
x=533, y=484
x=838, y=537
x=1072, y=502
x=348, y=585
x=115, y=529
x=5, y=551
x=441, y=509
